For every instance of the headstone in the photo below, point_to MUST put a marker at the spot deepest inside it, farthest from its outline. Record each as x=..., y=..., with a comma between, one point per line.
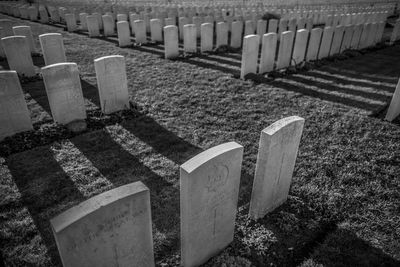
x=348, y=34
x=14, y=114
x=53, y=48
x=64, y=91
x=156, y=30
x=122, y=17
x=268, y=52
x=300, y=46
x=182, y=22
x=292, y=25
x=207, y=37
x=222, y=34
x=276, y=159
x=171, y=42
x=93, y=26
x=44, y=17
x=99, y=19
x=261, y=27
x=109, y=25
x=132, y=19
x=273, y=25
x=309, y=24
x=124, y=34
x=189, y=38
x=209, y=187
x=326, y=43
x=355, y=40
x=394, y=107
x=285, y=50
x=140, y=32
x=26, y=31
x=33, y=13
x=83, y=21
x=301, y=23
x=372, y=33
x=379, y=33
x=170, y=21
x=337, y=40
x=283, y=26
x=110, y=229
x=71, y=22
x=236, y=36
x=248, y=28
x=366, y=31
x=251, y=45
x=198, y=21
x=112, y=83
x=18, y=55
x=313, y=46
x=393, y=38
x=6, y=24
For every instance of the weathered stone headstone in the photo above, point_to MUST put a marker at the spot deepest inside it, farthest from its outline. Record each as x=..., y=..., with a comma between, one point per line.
x=182, y=22
x=348, y=34
x=355, y=40
x=261, y=27
x=99, y=19
x=222, y=34
x=53, y=48
x=71, y=22
x=83, y=21
x=285, y=50
x=251, y=44
x=209, y=187
x=64, y=91
x=197, y=21
x=394, y=107
x=300, y=46
x=248, y=28
x=236, y=36
x=366, y=31
x=110, y=229
x=325, y=43
x=14, y=114
x=26, y=31
x=124, y=33
x=276, y=159
x=313, y=46
x=190, y=38
x=337, y=40
x=268, y=52
x=140, y=32
x=109, y=25
x=93, y=26
x=171, y=40
x=156, y=30
x=6, y=24
x=112, y=83
x=44, y=17
x=283, y=26
x=207, y=37
x=18, y=55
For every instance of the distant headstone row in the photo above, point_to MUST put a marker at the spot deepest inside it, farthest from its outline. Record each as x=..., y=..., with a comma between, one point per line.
x=114, y=228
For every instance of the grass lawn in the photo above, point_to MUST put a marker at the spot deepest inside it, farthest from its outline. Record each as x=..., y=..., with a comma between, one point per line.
x=344, y=203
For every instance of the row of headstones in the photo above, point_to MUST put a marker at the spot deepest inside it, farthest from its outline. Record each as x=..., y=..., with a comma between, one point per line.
x=300, y=46
x=62, y=84
x=115, y=227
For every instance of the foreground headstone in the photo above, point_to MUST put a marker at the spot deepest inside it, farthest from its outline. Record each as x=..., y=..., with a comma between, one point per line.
x=207, y=37
x=276, y=159
x=300, y=46
x=285, y=50
x=313, y=46
x=112, y=83
x=26, y=31
x=53, y=48
x=209, y=187
x=348, y=34
x=251, y=44
x=394, y=107
x=110, y=229
x=171, y=40
x=124, y=34
x=268, y=52
x=14, y=114
x=64, y=91
x=18, y=55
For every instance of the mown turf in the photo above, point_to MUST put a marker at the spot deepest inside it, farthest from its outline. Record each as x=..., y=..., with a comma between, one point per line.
x=343, y=207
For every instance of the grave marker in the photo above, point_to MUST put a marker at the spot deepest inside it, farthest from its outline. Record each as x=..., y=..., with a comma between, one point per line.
x=53, y=48
x=285, y=50
x=394, y=107
x=348, y=34
x=207, y=38
x=355, y=40
x=313, y=46
x=71, y=22
x=325, y=43
x=337, y=40
x=268, y=52
x=251, y=44
x=140, y=32
x=222, y=34
x=276, y=159
x=124, y=34
x=26, y=31
x=236, y=36
x=300, y=46
x=171, y=42
x=18, y=55
x=190, y=38
x=156, y=30
x=93, y=26
x=109, y=25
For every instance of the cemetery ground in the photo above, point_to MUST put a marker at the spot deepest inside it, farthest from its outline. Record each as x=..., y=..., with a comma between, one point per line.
x=343, y=206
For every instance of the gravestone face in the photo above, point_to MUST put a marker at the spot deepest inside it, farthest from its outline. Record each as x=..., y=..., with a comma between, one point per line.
x=124, y=33
x=268, y=52
x=394, y=107
x=182, y=22
x=18, y=55
x=83, y=21
x=64, y=91
x=93, y=26
x=14, y=114
x=71, y=22
x=33, y=13
x=222, y=34
x=355, y=40
x=122, y=17
x=366, y=31
x=53, y=48
x=337, y=40
x=171, y=42
x=285, y=50
x=44, y=17
x=326, y=43
x=140, y=31
x=26, y=31
x=276, y=159
x=300, y=46
x=156, y=30
x=110, y=229
x=372, y=33
x=273, y=25
x=236, y=36
x=197, y=21
x=169, y=21
x=207, y=37
x=209, y=187
x=248, y=28
x=99, y=19
x=190, y=38
x=292, y=25
x=313, y=46
x=108, y=25
x=251, y=45
x=283, y=26
x=379, y=33
x=348, y=34
x=261, y=27
x=6, y=24
x=112, y=83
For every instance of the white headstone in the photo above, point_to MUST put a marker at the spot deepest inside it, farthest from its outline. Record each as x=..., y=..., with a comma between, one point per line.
x=18, y=55
x=140, y=31
x=326, y=43
x=248, y=28
x=222, y=34
x=366, y=31
x=268, y=52
x=156, y=30
x=251, y=45
x=207, y=37
x=26, y=31
x=276, y=159
x=53, y=48
x=348, y=34
x=313, y=46
x=110, y=229
x=182, y=22
x=93, y=26
x=300, y=46
x=394, y=107
x=44, y=17
x=124, y=33
x=112, y=83
x=355, y=40
x=14, y=114
x=171, y=40
x=283, y=26
x=285, y=50
x=236, y=36
x=83, y=21
x=122, y=17
x=109, y=25
x=209, y=187
x=190, y=38
x=261, y=27
x=273, y=25
x=337, y=40
x=64, y=91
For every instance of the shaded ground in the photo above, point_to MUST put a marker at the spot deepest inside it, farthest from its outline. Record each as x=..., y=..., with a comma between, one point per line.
x=344, y=202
